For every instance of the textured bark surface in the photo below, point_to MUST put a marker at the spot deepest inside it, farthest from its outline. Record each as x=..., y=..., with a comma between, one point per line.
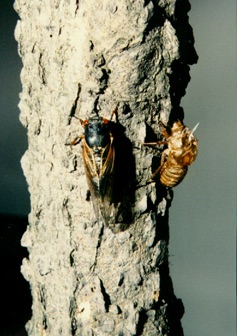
x=78, y=57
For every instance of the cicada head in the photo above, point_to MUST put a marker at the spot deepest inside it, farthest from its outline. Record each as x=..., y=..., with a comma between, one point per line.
x=97, y=133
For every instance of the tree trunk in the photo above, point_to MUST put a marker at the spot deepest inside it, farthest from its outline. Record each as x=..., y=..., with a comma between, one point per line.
x=81, y=58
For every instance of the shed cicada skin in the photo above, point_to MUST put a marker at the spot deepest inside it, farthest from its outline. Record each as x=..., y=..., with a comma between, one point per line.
x=98, y=153
x=181, y=151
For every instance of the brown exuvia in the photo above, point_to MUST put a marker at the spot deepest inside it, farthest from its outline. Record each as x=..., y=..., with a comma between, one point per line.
x=181, y=151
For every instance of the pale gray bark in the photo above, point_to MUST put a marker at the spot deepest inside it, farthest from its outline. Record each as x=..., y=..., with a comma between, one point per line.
x=86, y=278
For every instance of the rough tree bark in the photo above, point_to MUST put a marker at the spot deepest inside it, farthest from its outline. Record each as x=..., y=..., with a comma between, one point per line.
x=80, y=57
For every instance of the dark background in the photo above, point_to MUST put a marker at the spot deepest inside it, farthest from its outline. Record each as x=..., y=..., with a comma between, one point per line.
x=203, y=212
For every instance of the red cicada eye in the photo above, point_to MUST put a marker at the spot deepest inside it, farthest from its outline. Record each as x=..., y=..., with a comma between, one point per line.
x=105, y=121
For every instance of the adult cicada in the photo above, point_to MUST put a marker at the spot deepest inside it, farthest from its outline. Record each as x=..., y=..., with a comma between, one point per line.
x=98, y=151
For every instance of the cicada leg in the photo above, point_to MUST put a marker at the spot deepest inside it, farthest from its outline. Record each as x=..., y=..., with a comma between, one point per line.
x=162, y=162
x=76, y=141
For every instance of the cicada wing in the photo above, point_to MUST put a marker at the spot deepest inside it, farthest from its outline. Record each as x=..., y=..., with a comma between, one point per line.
x=107, y=184
x=107, y=172
x=92, y=177
x=100, y=185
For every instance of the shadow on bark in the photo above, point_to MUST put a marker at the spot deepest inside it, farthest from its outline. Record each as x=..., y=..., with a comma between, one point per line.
x=124, y=184
x=169, y=307
x=180, y=74
x=179, y=79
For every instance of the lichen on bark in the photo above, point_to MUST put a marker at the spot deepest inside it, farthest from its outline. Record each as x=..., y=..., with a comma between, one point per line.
x=78, y=57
